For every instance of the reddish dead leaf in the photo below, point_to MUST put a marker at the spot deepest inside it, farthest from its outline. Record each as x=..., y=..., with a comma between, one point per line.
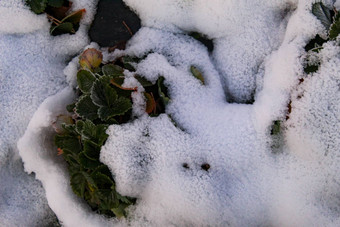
x=60, y=151
x=59, y=13
x=150, y=103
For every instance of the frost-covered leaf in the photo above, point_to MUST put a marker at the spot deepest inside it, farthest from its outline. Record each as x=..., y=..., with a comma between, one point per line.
x=70, y=107
x=119, y=107
x=55, y=3
x=102, y=181
x=63, y=28
x=91, y=150
x=72, y=160
x=335, y=29
x=196, y=73
x=102, y=94
x=101, y=135
x=102, y=169
x=322, y=13
x=80, y=181
x=86, y=108
x=87, y=162
x=70, y=143
x=85, y=80
x=112, y=70
x=90, y=59
x=311, y=68
x=128, y=62
x=37, y=6
x=89, y=131
x=108, y=199
x=144, y=82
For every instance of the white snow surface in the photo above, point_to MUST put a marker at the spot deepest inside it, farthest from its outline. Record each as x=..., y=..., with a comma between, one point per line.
x=31, y=69
x=258, y=54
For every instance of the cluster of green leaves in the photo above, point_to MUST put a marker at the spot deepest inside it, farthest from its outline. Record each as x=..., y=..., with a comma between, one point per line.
x=57, y=12
x=102, y=101
x=330, y=18
x=80, y=145
x=39, y=6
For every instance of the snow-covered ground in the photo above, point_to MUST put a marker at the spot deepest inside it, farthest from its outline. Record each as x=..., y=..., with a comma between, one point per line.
x=258, y=56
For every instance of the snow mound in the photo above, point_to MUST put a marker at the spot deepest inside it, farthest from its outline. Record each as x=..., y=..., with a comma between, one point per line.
x=31, y=69
x=40, y=157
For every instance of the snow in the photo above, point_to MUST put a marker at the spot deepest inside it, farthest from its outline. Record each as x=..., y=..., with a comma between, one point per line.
x=31, y=69
x=258, y=58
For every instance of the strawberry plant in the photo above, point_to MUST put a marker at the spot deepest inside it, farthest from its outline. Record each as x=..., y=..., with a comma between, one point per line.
x=102, y=101
x=330, y=19
x=57, y=11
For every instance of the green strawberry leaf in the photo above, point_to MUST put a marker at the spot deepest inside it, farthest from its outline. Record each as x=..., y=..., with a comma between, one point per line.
x=334, y=29
x=71, y=143
x=37, y=6
x=85, y=108
x=88, y=163
x=85, y=80
x=102, y=93
x=119, y=107
x=80, y=181
x=63, y=28
x=322, y=13
x=144, y=82
x=112, y=70
x=55, y=3
x=91, y=150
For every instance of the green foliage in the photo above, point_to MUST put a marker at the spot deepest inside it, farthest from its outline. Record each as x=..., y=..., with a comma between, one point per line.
x=55, y=8
x=85, y=80
x=102, y=101
x=322, y=13
x=330, y=18
x=276, y=128
x=112, y=70
x=67, y=25
x=335, y=28
x=62, y=29
x=55, y=3
x=86, y=109
x=37, y=6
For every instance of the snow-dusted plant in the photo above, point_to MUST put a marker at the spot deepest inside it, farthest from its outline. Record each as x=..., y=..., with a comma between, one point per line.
x=57, y=11
x=102, y=101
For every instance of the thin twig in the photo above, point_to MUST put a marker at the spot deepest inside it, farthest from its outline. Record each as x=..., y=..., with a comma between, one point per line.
x=54, y=20
x=127, y=27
